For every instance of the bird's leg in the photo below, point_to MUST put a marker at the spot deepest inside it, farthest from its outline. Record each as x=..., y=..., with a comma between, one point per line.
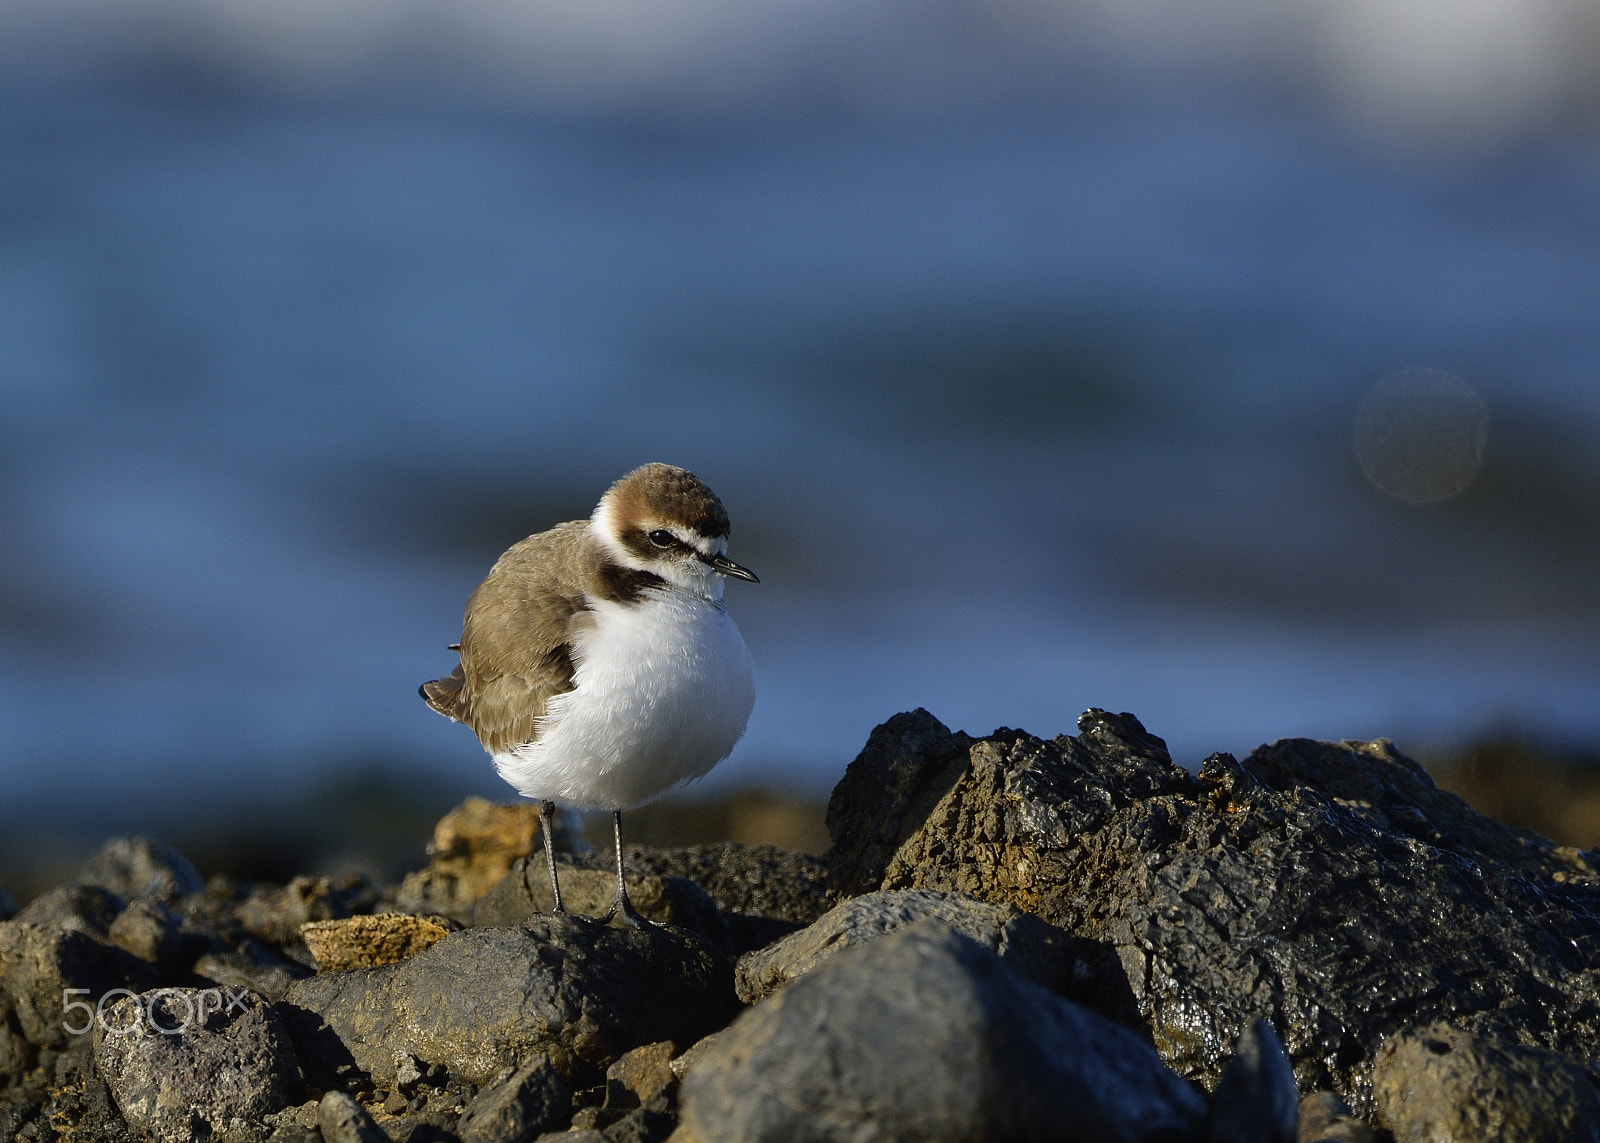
x=620, y=905
x=547, y=810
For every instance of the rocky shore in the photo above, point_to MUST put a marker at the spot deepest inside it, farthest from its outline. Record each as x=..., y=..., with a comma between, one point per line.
x=1010, y=938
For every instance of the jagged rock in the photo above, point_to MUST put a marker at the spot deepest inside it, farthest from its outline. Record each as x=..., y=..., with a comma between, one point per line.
x=641, y=1075
x=763, y=892
x=1327, y=886
x=192, y=1064
x=361, y=942
x=693, y=1054
x=525, y=892
x=295, y=1133
x=1036, y=949
x=250, y=965
x=519, y=1105
x=302, y=1116
x=750, y=880
x=1442, y=1083
x=641, y=1125
x=1256, y=1102
x=924, y=1034
x=78, y=908
x=473, y=848
x=42, y=970
x=152, y=932
x=343, y=1120
x=482, y=1000
x=275, y=915
x=77, y=1106
x=17, y=1055
x=138, y=867
x=1325, y=1118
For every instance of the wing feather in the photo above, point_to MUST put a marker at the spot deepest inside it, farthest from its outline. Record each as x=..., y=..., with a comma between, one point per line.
x=516, y=651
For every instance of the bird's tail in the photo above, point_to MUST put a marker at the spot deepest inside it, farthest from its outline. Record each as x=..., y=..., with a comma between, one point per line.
x=444, y=695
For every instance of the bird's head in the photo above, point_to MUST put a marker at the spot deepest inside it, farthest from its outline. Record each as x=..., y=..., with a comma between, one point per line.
x=665, y=520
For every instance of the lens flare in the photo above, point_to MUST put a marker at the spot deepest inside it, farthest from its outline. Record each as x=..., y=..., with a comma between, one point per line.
x=1420, y=435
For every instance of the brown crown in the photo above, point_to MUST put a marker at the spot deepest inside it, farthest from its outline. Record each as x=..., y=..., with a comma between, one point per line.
x=662, y=494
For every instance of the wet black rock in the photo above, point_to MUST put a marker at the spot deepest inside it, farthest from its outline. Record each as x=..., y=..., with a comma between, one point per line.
x=482, y=1000
x=138, y=867
x=196, y=1064
x=1329, y=887
x=1034, y=948
x=1256, y=1102
x=1441, y=1082
x=519, y=1105
x=1325, y=1118
x=924, y=1034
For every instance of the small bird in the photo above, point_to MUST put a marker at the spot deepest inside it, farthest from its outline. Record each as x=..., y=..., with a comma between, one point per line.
x=599, y=667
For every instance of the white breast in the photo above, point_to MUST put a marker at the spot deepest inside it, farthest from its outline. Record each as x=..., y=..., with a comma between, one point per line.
x=661, y=693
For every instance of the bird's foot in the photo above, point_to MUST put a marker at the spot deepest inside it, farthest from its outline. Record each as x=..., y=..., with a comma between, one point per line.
x=622, y=909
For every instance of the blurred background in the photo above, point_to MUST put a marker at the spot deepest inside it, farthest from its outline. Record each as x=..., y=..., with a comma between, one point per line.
x=1235, y=366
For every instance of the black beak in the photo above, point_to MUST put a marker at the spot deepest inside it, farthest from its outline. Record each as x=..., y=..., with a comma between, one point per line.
x=727, y=567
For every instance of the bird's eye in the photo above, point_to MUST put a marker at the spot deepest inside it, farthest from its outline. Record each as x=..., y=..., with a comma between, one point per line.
x=662, y=538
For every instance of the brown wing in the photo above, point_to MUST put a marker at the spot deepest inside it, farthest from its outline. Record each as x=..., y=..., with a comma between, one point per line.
x=516, y=652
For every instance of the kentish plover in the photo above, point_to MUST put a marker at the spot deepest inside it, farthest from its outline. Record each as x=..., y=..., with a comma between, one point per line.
x=599, y=667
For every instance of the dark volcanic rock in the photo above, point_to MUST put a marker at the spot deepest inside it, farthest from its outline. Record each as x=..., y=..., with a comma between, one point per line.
x=152, y=932
x=1329, y=887
x=138, y=867
x=250, y=965
x=1325, y=1118
x=343, y=1120
x=474, y=846
x=642, y=1075
x=276, y=914
x=751, y=880
x=77, y=1106
x=1034, y=948
x=17, y=1055
x=1256, y=1102
x=1439, y=1083
x=763, y=892
x=43, y=969
x=519, y=1106
x=924, y=1034
x=78, y=908
x=482, y=1000
x=588, y=892
x=190, y=1064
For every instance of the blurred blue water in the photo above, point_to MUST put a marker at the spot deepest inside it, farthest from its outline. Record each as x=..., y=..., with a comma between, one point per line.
x=1014, y=414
